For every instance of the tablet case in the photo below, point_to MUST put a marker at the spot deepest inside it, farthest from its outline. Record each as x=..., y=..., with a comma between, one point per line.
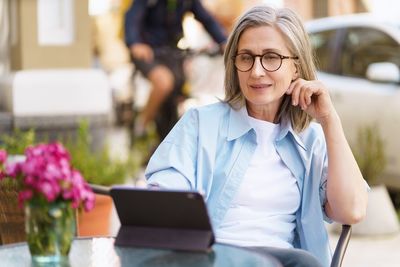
x=162, y=219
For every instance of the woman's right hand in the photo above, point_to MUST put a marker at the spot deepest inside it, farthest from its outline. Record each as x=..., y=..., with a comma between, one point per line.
x=142, y=52
x=312, y=97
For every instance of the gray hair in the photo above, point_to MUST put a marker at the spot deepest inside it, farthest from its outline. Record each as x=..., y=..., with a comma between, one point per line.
x=292, y=29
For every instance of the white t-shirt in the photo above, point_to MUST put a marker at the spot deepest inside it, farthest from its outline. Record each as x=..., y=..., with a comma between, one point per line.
x=263, y=211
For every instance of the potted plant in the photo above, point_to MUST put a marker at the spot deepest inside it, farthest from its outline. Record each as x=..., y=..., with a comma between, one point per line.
x=369, y=152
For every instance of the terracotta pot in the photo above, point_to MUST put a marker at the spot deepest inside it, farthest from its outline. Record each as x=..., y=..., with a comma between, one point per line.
x=97, y=221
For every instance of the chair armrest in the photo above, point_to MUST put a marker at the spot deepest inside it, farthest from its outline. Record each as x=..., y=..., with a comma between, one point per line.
x=341, y=246
x=100, y=189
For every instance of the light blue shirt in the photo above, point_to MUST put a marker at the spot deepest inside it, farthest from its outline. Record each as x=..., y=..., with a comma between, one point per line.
x=209, y=150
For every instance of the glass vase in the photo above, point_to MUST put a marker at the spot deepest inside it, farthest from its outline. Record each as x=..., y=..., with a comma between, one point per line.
x=50, y=229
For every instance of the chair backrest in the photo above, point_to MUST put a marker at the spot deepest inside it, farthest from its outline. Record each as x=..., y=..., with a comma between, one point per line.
x=341, y=246
x=12, y=217
x=99, y=189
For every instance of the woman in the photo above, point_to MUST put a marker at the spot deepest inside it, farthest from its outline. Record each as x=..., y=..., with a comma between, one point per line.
x=269, y=175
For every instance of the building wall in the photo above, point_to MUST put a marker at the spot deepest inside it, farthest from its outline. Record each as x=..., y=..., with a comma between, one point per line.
x=303, y=7
x=340, y=7
x=26, y=53
x=307, y=8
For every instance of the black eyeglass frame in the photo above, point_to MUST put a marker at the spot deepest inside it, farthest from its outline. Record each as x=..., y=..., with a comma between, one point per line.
x=261, y=56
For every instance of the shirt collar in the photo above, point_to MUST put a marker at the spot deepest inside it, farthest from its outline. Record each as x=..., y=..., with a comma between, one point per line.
x=286, y=128
x=239, y=125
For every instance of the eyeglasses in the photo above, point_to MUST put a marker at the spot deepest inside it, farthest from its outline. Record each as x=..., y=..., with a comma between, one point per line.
x=270, y=61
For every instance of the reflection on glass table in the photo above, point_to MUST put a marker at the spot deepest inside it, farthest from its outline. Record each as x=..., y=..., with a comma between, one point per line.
x=97, y=252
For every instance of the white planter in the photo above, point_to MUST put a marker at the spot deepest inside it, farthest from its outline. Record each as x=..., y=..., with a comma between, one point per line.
x=381, y=215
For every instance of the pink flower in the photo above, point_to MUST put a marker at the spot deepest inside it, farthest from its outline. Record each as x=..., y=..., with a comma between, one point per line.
x=89, y=201
x=3, y=156
x=46, y=172
x=13, y=169
x=23, y=196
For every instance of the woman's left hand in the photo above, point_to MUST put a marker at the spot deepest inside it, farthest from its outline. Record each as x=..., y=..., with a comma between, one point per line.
x=312, y=97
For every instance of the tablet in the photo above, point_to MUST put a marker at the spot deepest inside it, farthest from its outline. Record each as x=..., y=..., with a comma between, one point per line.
x=162, y=219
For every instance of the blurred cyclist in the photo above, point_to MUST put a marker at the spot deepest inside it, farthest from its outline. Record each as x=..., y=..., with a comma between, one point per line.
x=152, y=31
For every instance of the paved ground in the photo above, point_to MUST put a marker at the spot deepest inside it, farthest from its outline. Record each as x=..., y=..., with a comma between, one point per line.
x=375, y=251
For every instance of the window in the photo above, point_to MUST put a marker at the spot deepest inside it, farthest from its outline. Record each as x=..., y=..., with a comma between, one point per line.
x=363, y=46
x=323, y=45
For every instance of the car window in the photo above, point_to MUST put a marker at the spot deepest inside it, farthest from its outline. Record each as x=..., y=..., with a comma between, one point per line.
x=363, y=46
x=322, y=43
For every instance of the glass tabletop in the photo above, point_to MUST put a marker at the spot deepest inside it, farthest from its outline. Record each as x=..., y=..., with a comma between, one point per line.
x=97, y=252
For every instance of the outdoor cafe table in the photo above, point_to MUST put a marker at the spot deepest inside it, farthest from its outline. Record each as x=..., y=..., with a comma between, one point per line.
x=100, y=251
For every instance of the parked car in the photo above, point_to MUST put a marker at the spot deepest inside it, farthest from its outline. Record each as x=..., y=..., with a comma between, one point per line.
x=359, y=60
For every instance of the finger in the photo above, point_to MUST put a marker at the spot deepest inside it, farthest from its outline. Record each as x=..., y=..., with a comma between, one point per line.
x=308, y=96
x=305, y=97
x=291, y=86
x=296, y=93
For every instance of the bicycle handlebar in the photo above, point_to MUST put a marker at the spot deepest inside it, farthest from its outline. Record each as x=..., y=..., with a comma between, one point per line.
x=213, y=51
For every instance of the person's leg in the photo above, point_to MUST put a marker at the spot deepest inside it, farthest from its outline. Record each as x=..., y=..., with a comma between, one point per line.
x=164, y=75
x=162, y=82
x=161, y=85
x=290, y=257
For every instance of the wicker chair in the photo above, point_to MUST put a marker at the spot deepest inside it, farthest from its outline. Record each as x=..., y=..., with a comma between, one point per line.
x=12, y=218
x=341, y=245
